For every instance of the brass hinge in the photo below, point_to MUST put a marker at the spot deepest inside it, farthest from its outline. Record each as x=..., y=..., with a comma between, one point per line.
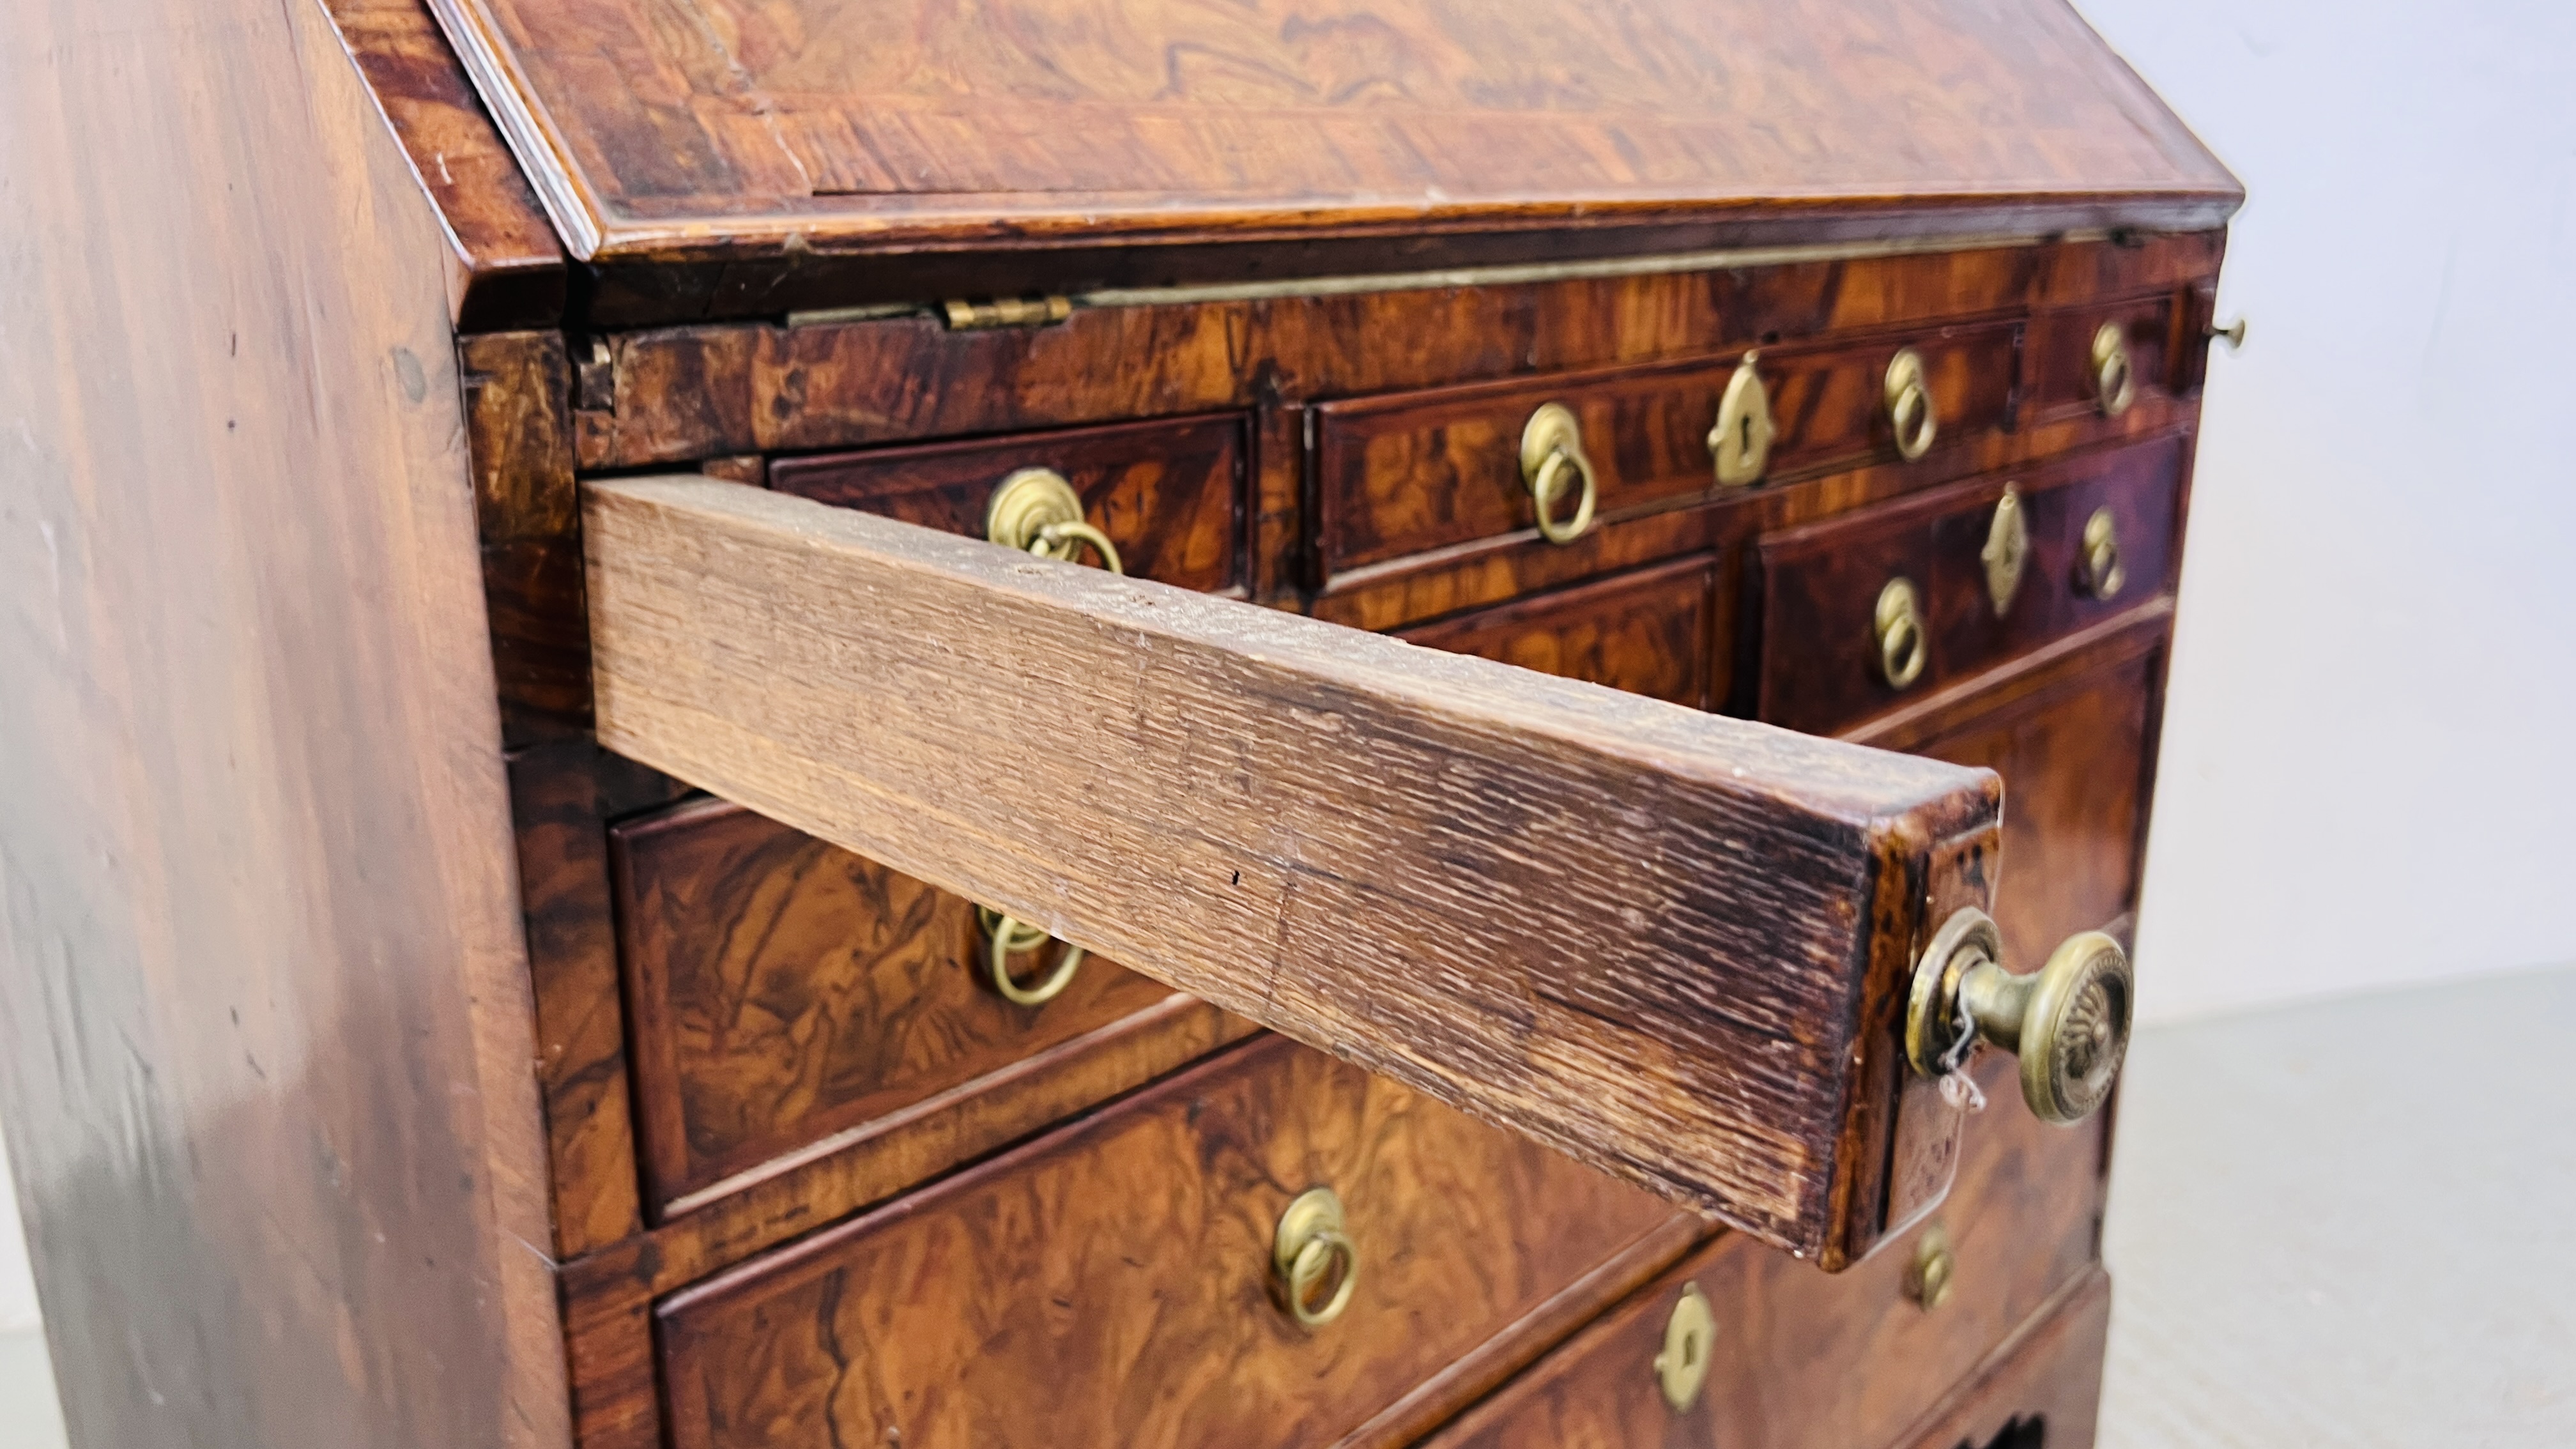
x=965, y=316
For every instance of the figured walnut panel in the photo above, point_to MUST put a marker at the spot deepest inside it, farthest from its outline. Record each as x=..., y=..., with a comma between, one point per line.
x=729, y=128
x=1112, y=1283
x=1169, y=493
x=1688, y=928
x=1646, y=633
x=1412, y=473
x=783, y=990
x=1802, y=1360
x=1820, y=582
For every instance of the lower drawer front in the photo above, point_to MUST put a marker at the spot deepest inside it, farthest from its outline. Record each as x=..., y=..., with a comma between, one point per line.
x=1806, y=1360
x=781, y=991
x=1112, y=1284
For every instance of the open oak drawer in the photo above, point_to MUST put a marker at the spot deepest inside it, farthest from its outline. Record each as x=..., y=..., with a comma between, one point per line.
x=1682, y=948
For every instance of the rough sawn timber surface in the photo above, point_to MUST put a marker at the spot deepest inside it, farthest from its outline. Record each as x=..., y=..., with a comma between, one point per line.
x=1649, y=937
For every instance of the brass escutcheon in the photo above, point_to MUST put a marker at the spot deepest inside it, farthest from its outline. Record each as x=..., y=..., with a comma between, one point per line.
x=1740, y=442
x=1036, y=511
x=2098, y=570
x=1551, y=449
x=1008, y=936
x=2068, y=1021
x=2007, y=549
x=1690, y=1334
x=1933, y=1273
x=1904, y=646
x=1909, y=404
x=1314, y=1265
x=2115, y=382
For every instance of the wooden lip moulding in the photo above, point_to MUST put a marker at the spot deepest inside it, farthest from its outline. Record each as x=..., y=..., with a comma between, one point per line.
x=1666, y=942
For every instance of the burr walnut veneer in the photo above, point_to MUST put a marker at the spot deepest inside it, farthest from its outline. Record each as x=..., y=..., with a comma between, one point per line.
x=561, y=886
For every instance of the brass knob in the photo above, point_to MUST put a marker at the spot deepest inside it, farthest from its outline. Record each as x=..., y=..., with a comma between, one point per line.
x=1740, y=442
x=1690, y=1334
x=2007, y=549
x=1552, y=459
x=2068, y=1021
x=2115, y=382
x=1006, y=937
x=2098, y=571
x=1904, y=646
x=1934, y=1271
x=2233, y=334
x=1909, y=404
x=1312, y=1259
x=1036, y=511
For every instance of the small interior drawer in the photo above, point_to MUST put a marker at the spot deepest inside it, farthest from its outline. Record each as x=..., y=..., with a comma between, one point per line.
x=2064, y=359
x=1168, y=491
x=1826, y=659
x=1646, y=632
x=781, y=990
x=1415, y=473
x=1114, y=1282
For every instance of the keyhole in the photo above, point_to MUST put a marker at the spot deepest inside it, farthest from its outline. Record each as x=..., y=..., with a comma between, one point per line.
x=1690, y=1353
x=1746, y=422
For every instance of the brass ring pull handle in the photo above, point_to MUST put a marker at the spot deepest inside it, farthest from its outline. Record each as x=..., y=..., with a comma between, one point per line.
x=1909, y=404
x=1312, y=1259
x=1740, y=441
x=2068, y=1021
x=2115, y=381
x=2098, y=570
x=1551, y=449
x=1904, y=645
x=1008, y=936
x=1036, y=511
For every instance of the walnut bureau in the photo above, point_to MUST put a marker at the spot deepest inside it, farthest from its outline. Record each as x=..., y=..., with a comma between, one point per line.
x=563, y=891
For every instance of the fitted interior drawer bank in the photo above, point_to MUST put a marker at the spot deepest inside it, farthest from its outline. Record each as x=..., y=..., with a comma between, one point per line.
x=1861, y=611
x=1268, y=1250
x=1428, y=472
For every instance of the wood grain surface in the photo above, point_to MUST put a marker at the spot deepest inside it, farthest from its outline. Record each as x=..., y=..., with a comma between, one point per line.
x=1415, y=472
x=1683, y=921
x=266, y=1074
x=782, y=990
x=505, y=268
x=1820, y=582
x=1646, y=632
x=729, y=128
x=1804, y=1360
x=1168, y=492
x=1111, y=1284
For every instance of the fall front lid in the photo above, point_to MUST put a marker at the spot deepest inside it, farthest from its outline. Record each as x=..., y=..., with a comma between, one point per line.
x=672, y=129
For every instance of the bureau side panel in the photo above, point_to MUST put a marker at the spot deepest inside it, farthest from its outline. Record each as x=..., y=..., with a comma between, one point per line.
x=264, y=1036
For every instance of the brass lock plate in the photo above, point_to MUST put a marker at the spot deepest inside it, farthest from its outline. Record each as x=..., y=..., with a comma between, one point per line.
x=1740, y=443
x=1690, y=1336
x=2007, y=550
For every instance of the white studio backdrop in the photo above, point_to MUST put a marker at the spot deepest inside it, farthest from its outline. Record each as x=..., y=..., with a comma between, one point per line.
x=2369, y=768
x=17, y=1287
x=2370, y=753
